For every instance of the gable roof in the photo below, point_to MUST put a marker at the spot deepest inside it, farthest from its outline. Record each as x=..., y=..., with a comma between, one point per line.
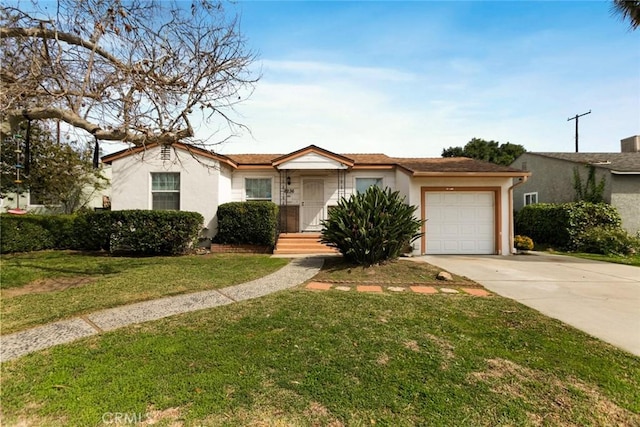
x=616, y=162
x=312, y=149
x=415, y=166
x=191, y=149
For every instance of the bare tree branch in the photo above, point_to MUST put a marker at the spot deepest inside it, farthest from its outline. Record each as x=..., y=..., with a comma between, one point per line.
x=134, y=71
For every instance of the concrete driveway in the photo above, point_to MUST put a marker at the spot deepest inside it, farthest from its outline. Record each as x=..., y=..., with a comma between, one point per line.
x=600, y=298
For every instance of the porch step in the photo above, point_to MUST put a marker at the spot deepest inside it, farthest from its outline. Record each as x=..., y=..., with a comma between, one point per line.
x=301, y=243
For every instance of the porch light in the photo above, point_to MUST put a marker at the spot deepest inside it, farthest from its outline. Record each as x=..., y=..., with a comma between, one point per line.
x=286, y=189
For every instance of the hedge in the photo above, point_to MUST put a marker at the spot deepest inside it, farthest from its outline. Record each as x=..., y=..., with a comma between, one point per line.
x=560, y=224
x=249, y=223
x=135, y=232
x=24, y=233
x=153, y=232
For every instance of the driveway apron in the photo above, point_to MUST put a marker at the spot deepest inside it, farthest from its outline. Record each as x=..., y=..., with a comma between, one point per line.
x=599, y=298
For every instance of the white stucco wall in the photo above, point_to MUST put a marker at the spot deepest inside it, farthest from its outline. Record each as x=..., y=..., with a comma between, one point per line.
x=449, y=182
x=199, y=183
x=403, y=184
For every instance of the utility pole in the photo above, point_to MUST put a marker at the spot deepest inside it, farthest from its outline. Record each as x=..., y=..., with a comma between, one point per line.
x=576, y=119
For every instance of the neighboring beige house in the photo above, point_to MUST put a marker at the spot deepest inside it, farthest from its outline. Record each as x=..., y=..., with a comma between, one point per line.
x=552, y=181
x=96, y=199
x=467, y=204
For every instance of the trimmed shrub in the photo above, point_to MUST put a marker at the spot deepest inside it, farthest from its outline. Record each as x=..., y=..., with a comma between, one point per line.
x=93, y=230
x=132, y=232
x=523, y=243
x=371, y=227
x=247, y=223
x=62, y=230
x=607, y=241
x=142, y=232
x=560, y=224
x=24, y=233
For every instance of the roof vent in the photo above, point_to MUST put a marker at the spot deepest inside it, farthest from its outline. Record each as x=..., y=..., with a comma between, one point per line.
x=165, y=152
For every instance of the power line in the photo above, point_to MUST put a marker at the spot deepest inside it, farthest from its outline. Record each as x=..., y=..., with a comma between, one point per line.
x=576, y=119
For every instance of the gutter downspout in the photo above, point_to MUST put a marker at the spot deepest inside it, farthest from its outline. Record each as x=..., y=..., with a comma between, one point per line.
x=522, y=180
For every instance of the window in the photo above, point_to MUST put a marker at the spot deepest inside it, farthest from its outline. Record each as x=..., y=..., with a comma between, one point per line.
x=165, y=191
x=257, y=188
x=36, y=197
x=363, y=184
x=530, y=198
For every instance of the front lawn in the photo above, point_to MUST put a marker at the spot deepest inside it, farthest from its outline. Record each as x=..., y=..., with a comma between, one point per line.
x=301, y=357
x=618, y=259
x=42, y=287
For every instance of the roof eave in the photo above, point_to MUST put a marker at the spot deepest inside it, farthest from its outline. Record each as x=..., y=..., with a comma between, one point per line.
x=110, y=158
x=313, y=149
x=471, y=174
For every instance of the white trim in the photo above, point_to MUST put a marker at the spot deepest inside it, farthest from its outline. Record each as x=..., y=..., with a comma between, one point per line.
x=244, y=188
x=356, y=178
x=312, y=161
x=533, y=194
x=152, y=191
x=323, y=209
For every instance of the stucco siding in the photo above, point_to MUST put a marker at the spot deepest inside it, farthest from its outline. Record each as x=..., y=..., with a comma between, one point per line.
x=552, y=179
x=131, y=183
x=626, y=198
x=403, y=185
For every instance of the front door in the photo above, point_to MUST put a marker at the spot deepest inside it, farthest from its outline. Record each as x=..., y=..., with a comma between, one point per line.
x=312, y=204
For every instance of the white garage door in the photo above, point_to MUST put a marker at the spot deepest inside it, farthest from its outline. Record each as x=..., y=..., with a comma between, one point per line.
x=460, y=222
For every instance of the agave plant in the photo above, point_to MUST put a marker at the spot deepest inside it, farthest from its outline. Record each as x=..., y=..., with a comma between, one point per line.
x=371, y=227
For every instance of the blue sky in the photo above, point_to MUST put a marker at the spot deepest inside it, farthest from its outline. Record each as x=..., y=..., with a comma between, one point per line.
x=411, y=78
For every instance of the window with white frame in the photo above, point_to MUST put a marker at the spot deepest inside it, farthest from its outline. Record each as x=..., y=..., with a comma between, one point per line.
x=165, y=191
x=257, y=188
x=363, y=184
x=530, y=198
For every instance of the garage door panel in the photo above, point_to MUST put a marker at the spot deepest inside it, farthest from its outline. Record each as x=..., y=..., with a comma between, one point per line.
x=468, y=245
x=449, y=245
x=467, y=215
x=467, y=230
x=468, y=199
x=485, y=229
x=460, y=222
x=484, y=214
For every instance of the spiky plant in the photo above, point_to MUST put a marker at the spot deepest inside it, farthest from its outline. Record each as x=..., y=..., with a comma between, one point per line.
x=371, y=227
x=627, y=10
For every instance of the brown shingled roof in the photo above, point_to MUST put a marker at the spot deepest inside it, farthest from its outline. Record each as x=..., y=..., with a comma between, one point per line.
x=621, y=162
x=416, y=166
x=371, y=158
x=253, y=159
x=450, y=165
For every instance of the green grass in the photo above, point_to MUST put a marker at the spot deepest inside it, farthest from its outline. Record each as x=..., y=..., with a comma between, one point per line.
x=334, y=358
x=111, y=281
x=618, y=259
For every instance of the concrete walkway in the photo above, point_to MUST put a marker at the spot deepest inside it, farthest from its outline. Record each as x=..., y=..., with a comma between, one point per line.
x=600, y=298
x=20, y=343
